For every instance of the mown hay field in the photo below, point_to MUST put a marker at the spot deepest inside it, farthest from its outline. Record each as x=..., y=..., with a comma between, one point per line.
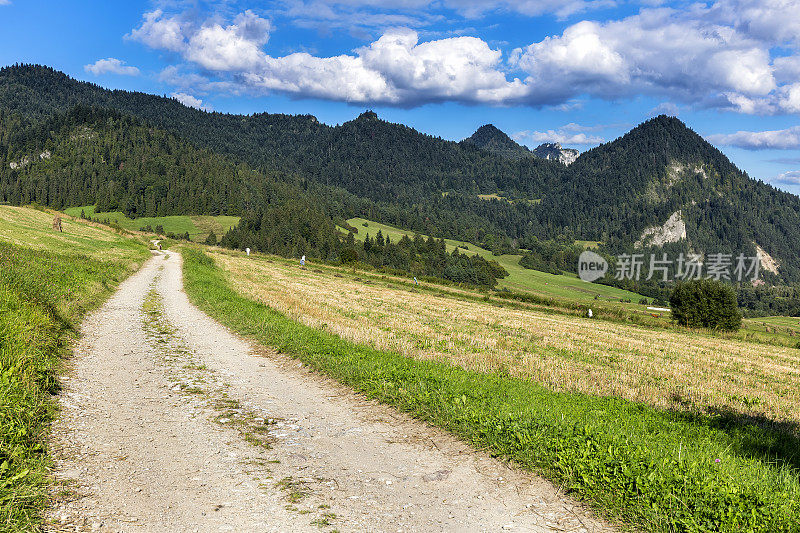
x=662, y=367
x=33, y=228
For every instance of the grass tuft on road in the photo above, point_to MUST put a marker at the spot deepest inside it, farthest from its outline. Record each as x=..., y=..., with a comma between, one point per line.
x=658, y=470
x=44, y=292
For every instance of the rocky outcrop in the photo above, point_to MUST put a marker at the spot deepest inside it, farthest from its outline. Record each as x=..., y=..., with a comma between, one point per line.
x=768, y=263
x=25, y=161
x=555, y=152
x=673, y=230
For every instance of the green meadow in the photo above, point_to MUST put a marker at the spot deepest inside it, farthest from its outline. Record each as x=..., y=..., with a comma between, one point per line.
x=197, y=226
x=520, y=278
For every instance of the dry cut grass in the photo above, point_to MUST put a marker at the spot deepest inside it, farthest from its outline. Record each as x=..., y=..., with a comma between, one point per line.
x=665, y=368
x=34, y=229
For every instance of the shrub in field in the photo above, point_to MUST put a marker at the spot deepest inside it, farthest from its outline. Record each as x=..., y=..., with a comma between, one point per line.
x=705, y=303
x=349, y=255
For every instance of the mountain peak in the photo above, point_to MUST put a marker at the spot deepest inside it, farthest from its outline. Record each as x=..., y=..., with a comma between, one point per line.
x=489, y=129
x=490, y=138
x=368, y=115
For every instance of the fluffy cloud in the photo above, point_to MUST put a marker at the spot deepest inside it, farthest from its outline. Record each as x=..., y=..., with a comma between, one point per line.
x=162, y=32
x=787, y=69
x=790, y=178
x=788, y=139
x=235, y=47
x=774, y=21
x=191, y=101
x=111, y=65
x=703, y=56
x=657, y=51
x=570, y=134
x=790, y=98
x=396, y=69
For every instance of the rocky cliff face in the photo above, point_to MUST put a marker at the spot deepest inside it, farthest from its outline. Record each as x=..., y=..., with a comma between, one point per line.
x=555, y=152
x=673, y=230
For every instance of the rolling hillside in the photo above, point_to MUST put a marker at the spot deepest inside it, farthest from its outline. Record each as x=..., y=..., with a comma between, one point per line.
x=619, y=193
x=519, y=278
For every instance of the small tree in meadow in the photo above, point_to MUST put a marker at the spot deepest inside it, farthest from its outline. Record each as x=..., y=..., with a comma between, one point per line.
x=211, y=239
x=349, y=255
x=705, y=303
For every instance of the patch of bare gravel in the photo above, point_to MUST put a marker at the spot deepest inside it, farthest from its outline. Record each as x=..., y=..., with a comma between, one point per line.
x=171, y=423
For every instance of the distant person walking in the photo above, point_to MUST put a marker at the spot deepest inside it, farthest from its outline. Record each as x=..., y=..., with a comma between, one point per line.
x=303, y=262
x=57, y=223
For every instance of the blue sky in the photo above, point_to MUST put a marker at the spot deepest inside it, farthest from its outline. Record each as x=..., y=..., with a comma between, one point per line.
x=580, y=71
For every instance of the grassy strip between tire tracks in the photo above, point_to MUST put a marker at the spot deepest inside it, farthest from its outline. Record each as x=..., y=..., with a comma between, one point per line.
x=657, y=470
x=43, y=295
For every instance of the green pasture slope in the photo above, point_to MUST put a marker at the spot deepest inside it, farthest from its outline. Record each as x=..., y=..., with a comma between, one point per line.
x=660, y=471
x=48, y=281
x=519, y=278
x=789, y=322
x=198, y=226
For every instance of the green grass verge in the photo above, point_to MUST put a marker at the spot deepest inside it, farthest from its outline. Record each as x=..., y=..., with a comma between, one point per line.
x=661, y=471
x=43, y=296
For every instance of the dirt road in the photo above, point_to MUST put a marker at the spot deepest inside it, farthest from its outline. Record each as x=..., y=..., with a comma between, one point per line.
x=171, y=423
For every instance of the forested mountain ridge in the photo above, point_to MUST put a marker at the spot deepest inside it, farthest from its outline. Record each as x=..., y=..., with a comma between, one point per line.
x=367, y=156
x=660, y=168
x=99, y=156
x=359, y=156
x=114, y=161
x=369, y=167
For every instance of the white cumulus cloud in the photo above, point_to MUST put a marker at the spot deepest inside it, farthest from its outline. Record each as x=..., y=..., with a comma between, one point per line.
x=160, y=31
x=775, y=21
x=395, y=69
x=111, y=65
x=788, y=139
x=566, y=135
x=191, y=101
x=790, y=178
x=235, y=47
x=717, y=56
x=658, y=51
